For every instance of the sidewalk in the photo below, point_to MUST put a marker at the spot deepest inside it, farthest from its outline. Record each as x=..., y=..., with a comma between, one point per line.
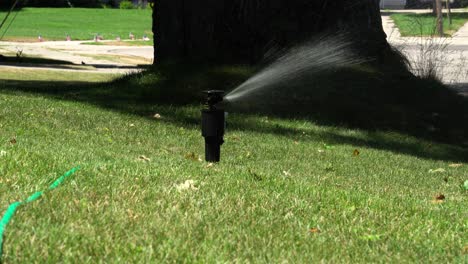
x=448, y=56
x=102, y=59
x=460, y=38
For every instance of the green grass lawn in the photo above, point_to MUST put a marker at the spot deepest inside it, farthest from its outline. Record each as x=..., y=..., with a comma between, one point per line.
x=425, y=24
x=17, y=74
x=287, y=189
x=79, y=23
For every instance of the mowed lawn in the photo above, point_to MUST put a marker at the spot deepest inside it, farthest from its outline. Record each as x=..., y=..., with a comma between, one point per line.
x=79, y=23
x=285, y=190
x=425, y=24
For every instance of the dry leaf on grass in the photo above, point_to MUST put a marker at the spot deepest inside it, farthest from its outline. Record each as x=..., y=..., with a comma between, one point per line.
x=436, y=170
x=455, y=165
x=13, y=140
x=144, y=158
x=465, y=250
x=193, y=156
x=439, y=198
x=157, y=116
x=314, y=230
x=3, y=153
x=356, y=153
x=187, y=185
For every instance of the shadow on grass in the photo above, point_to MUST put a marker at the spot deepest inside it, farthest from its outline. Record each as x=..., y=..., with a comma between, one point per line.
x=31, y=60
x=359, y=97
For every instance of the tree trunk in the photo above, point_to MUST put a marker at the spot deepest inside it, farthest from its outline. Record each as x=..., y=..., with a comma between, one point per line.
x=449, y=12
x=243, y=30
x=440, y=18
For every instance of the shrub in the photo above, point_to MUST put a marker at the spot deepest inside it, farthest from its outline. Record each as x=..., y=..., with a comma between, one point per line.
x=86, y=3
x=463, y=3
x=54, y=3
x=126, y=5
x=46, y=3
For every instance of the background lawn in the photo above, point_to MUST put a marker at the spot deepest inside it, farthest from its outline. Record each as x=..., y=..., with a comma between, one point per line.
x=286, y=190
x=79, y=23
x=425, y=24
x=20, y=74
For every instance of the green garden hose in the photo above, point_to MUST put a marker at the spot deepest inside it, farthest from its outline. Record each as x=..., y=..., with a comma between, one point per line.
x=10, y=212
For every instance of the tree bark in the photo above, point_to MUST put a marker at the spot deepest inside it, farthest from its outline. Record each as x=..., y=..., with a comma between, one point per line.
x=449, y=11
x=440, y=18
x=243, y=30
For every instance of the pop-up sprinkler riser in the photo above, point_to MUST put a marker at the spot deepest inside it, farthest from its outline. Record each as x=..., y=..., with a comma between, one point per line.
x=213, y=124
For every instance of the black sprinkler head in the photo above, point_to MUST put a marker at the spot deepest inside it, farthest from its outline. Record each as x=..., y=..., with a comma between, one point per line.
x=213, y=124
x=213, y=97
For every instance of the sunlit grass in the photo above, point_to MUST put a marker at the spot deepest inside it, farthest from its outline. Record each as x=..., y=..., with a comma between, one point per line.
x=21, y=74
x=79, y=23
x=286, y=189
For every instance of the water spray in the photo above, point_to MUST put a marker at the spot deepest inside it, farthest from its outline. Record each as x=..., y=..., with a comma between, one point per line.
x=213, y=124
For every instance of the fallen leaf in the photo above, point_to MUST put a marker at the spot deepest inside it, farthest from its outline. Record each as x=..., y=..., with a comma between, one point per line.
x=296, y=142
x=157, y=116
x=321, y=151
x=440, y=197
x=3, y=153
x=13, y=140
x=209, y=165
x=131, y=214
x=436, y=170
x=289, y=215
x=465, y=250
x=255, y=176
x=314, y=230
x=286, y=173
x=192, y=156
x=187, y=185
x=356, y=153
x=144, y=158
x=132, y=125
x=455, y=165
x=372, y=237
